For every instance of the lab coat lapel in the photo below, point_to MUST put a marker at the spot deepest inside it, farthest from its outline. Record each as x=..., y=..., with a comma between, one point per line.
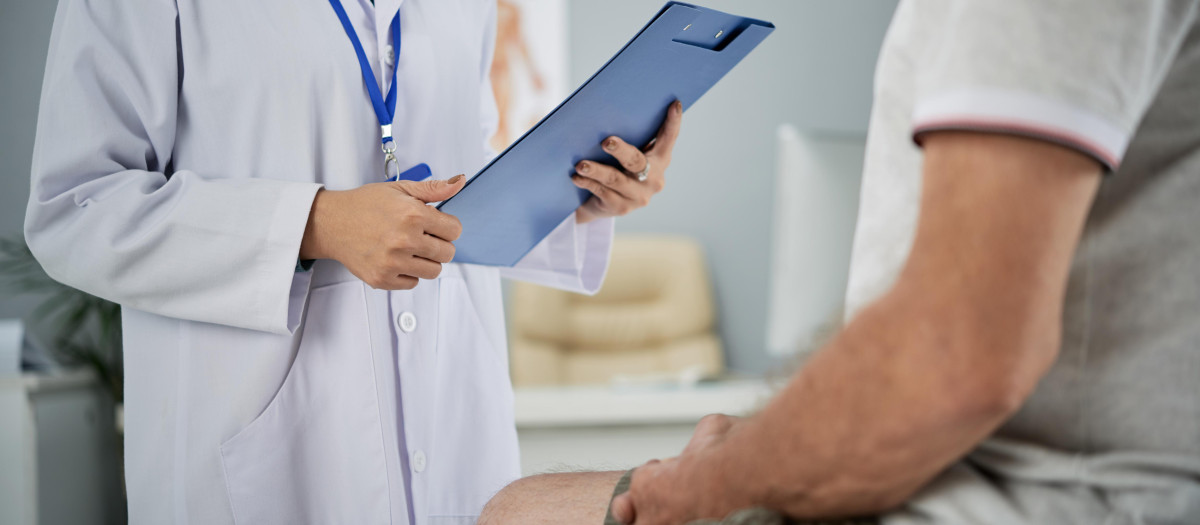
x=385, y=10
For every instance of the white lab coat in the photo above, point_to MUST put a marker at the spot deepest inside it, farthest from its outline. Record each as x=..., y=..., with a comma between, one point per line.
x=179, y=146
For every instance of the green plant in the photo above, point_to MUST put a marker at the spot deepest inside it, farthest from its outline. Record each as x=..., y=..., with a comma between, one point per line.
x=86, y=329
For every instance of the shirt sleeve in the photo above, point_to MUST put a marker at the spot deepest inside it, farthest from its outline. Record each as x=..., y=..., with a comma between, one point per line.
x=109, y=215
x=1080, y=73
x=574, y=257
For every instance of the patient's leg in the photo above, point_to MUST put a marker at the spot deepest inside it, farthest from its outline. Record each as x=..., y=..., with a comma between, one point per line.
x=584, y=497
x=754, y=516
x=553, y=499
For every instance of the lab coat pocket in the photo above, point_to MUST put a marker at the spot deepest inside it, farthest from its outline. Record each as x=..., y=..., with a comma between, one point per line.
x=315, y=454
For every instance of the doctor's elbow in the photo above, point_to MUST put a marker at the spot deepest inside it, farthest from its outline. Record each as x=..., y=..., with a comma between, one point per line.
x=47, y=245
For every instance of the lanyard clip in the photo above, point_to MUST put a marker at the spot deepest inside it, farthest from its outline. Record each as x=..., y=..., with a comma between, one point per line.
x=386, y=131
x=391, y=167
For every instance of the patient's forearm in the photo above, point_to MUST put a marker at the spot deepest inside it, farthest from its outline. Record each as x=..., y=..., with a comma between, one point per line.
x=552, y=499
x=929, y=370
x=868, y=420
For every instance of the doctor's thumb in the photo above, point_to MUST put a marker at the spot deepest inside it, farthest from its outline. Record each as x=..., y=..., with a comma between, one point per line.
x=433, y=190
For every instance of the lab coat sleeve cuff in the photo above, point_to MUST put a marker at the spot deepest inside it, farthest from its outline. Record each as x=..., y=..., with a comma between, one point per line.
x=574, y=257
x=285, y=290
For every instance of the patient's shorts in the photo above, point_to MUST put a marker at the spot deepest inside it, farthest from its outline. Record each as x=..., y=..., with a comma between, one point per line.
x=755, y=516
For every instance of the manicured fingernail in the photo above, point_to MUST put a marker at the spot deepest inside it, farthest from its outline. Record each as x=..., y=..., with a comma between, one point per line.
x=610, y=145
x=583, y=167
x=677, y=107
x=454, y=180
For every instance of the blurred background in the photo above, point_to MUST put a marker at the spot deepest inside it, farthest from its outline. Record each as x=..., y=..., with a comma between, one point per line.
x=715, y=291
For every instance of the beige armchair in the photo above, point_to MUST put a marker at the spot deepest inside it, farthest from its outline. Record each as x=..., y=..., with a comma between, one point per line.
x=653, y=316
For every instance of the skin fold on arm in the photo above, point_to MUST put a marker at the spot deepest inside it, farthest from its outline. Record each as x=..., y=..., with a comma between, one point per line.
x=918, y=377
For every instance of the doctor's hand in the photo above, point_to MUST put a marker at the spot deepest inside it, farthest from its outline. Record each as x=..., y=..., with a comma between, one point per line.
x=385, y=233
x=617, y=190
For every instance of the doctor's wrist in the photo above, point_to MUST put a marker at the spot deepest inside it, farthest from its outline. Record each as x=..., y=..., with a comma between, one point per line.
x=314, y=244
x=584, y=216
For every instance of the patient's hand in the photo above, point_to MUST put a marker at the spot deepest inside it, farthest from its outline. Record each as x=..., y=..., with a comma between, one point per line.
x=711, y=430
x=684, y=488
x=675, y=490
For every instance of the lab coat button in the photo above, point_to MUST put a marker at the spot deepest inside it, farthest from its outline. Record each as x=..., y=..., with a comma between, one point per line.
x=407, y=322
x=418, y=461
x=391, y=56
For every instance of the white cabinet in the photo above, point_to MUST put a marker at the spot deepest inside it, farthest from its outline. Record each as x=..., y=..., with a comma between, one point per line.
x=618, y=428
x=59, y=453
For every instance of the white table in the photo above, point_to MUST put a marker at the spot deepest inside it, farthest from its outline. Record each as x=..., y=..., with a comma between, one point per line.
x=618, y=428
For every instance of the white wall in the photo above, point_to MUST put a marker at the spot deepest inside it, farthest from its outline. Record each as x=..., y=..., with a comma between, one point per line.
x=24, y=37
x=816, y=208
x=815, y=71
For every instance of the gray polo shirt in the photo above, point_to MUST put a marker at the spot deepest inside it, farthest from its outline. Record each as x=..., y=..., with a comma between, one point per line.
x=1112, y=434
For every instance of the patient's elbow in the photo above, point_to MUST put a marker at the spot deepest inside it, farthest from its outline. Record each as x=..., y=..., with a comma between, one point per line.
x=991, y=401
x=998, y=388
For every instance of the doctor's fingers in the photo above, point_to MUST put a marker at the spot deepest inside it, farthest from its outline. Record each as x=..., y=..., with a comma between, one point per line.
x=631, y=158
x=431, y=190
x=604, y=200
x=441, y=225
x=668, y=133
x=394, y=282
x=612, y=178
x=433, y=248
x=420, y=267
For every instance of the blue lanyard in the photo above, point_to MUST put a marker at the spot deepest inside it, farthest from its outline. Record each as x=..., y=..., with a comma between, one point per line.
x=385, y=108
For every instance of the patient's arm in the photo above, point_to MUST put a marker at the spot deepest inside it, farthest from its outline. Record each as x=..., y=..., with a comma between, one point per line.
x=922, y=375
x=553, y=499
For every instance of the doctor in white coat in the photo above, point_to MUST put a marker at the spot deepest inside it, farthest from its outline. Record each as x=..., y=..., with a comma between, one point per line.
x=190, y=152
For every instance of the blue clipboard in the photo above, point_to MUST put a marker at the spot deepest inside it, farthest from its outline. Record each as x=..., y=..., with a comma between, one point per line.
x=525, y=192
